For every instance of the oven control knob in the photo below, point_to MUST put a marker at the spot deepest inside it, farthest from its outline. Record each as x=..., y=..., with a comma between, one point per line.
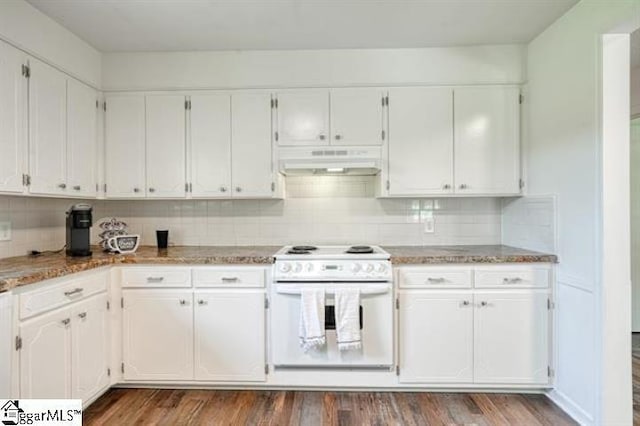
x=381, y=268
x=297, y=267
x=355, y=267
x=285, y=267
x=368, y=267
x=309, y=267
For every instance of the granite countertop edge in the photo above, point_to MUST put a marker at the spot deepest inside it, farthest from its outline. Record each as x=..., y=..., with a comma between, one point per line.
x=400, y=255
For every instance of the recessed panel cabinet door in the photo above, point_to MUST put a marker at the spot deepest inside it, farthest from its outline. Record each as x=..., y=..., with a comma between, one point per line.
x=157, y=335
x=81, y=139
x=511, y=337
x=487, y=140
x=436, y=337
x=125, y=146
x=356, y=117
x=13, y=132
x=230, y=353
x=45, y=358
x=166, y=175
x=211, y=145
x=47, y=130
x=90, y=347
x=251, y=154
x=420, y=141
x=303, y=118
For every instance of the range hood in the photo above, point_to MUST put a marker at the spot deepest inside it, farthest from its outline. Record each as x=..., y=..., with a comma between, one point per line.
x=362, y=161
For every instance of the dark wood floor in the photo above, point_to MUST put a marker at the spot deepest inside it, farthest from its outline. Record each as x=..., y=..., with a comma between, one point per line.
x=196, y=407
x=635, y=344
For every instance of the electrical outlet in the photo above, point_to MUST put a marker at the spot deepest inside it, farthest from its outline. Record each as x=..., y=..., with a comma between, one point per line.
x=5, y=231
x=429, y=225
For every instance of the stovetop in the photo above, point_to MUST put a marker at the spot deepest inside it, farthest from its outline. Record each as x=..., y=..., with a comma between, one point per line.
x=343, y=252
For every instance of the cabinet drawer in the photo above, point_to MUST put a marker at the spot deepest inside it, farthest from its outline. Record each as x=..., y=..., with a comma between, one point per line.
x=44, y=299
x=229, y=277
x=512, y=277
x=156, y=277
x=434, y=278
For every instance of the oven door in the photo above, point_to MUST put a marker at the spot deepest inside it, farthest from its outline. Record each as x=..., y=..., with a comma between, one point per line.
x=376, y=321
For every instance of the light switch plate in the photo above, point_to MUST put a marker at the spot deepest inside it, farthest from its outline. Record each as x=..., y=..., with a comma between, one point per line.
x=5, y=231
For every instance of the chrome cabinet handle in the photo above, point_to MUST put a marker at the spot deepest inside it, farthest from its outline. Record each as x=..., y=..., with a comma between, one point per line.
x=483, y=303
x=338, y=137
x=155, y=279
x=238, y=189
x=202, y=302
x=152, y=190
x=72, y=292
x=183, y=302
x=136, y=190
x=230, y=279
x=465, y=303
x=446, y=186
x=66, y=321
x=62, y=186
x=436, y=280
x=512, y=280
x=77, y=187
x=463, y=186
x=321, y=137
x=223, y=189
x=82, y=315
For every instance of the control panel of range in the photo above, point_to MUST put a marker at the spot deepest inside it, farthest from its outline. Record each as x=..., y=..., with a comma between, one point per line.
x=333, y=270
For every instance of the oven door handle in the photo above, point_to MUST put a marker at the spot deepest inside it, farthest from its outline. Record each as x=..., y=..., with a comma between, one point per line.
x=365, y=290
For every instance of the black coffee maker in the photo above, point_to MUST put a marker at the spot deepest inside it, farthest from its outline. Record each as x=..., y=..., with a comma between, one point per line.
x=79, y=221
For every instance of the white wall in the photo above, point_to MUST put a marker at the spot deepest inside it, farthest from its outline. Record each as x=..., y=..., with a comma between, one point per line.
x=563, y=158
x=30, y=30
x=635, y=222
x=313, y=68
x=635, y=91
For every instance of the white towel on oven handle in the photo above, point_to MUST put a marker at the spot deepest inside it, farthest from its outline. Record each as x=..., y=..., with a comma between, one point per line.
x=347, y=311
x=311, y=331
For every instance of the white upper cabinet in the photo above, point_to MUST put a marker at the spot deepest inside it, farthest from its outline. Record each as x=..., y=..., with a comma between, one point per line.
x=13, y=132
x=357, y=116
x=81, y=139
x=303, y=118
x=125, y=146
x=47, y=130
x=420, y=158
x=487, y=140
x=166, y=163
x=210, y=149
x=251, y=153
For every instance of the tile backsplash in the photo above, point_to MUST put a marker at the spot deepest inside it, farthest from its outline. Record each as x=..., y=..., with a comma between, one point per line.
x=530, y=223
x=318, y=209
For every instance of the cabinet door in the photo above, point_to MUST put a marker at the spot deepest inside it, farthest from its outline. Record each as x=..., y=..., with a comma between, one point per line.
x=81, y=139
x=303, y=118
x=47, y=130
x=157, y=332
x=487, y=140
x=251, y=166
x=13, y=121
x=45, y=357
x=511, y=337
x=436, y=337
x=125, y=146
x=230, y=335
x=166, y=146
x=420, y=141
x=90, y=348
x=356, y=117
x=210, y=145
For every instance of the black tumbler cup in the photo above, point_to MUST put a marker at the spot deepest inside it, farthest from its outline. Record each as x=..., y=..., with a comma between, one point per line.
x=163, y=239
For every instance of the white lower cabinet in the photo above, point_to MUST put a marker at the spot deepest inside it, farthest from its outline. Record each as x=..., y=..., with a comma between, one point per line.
x=230, y=335
x=157, y=335
x=511, y=337
x=436, y=334
x=64, y=352
x=485, y=337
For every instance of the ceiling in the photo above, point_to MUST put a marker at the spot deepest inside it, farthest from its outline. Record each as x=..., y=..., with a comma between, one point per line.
x=173, y=25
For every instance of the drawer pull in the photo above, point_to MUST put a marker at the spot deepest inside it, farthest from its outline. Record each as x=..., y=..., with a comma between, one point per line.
x=183, y=302
x=155, y=279
x=66, y=321
x=483, y=303
x=515, y=280
x=230, y=279
x=465, y=303
x=72, y=292
x=202, y=302
x=436, y=280
x=82, y=315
